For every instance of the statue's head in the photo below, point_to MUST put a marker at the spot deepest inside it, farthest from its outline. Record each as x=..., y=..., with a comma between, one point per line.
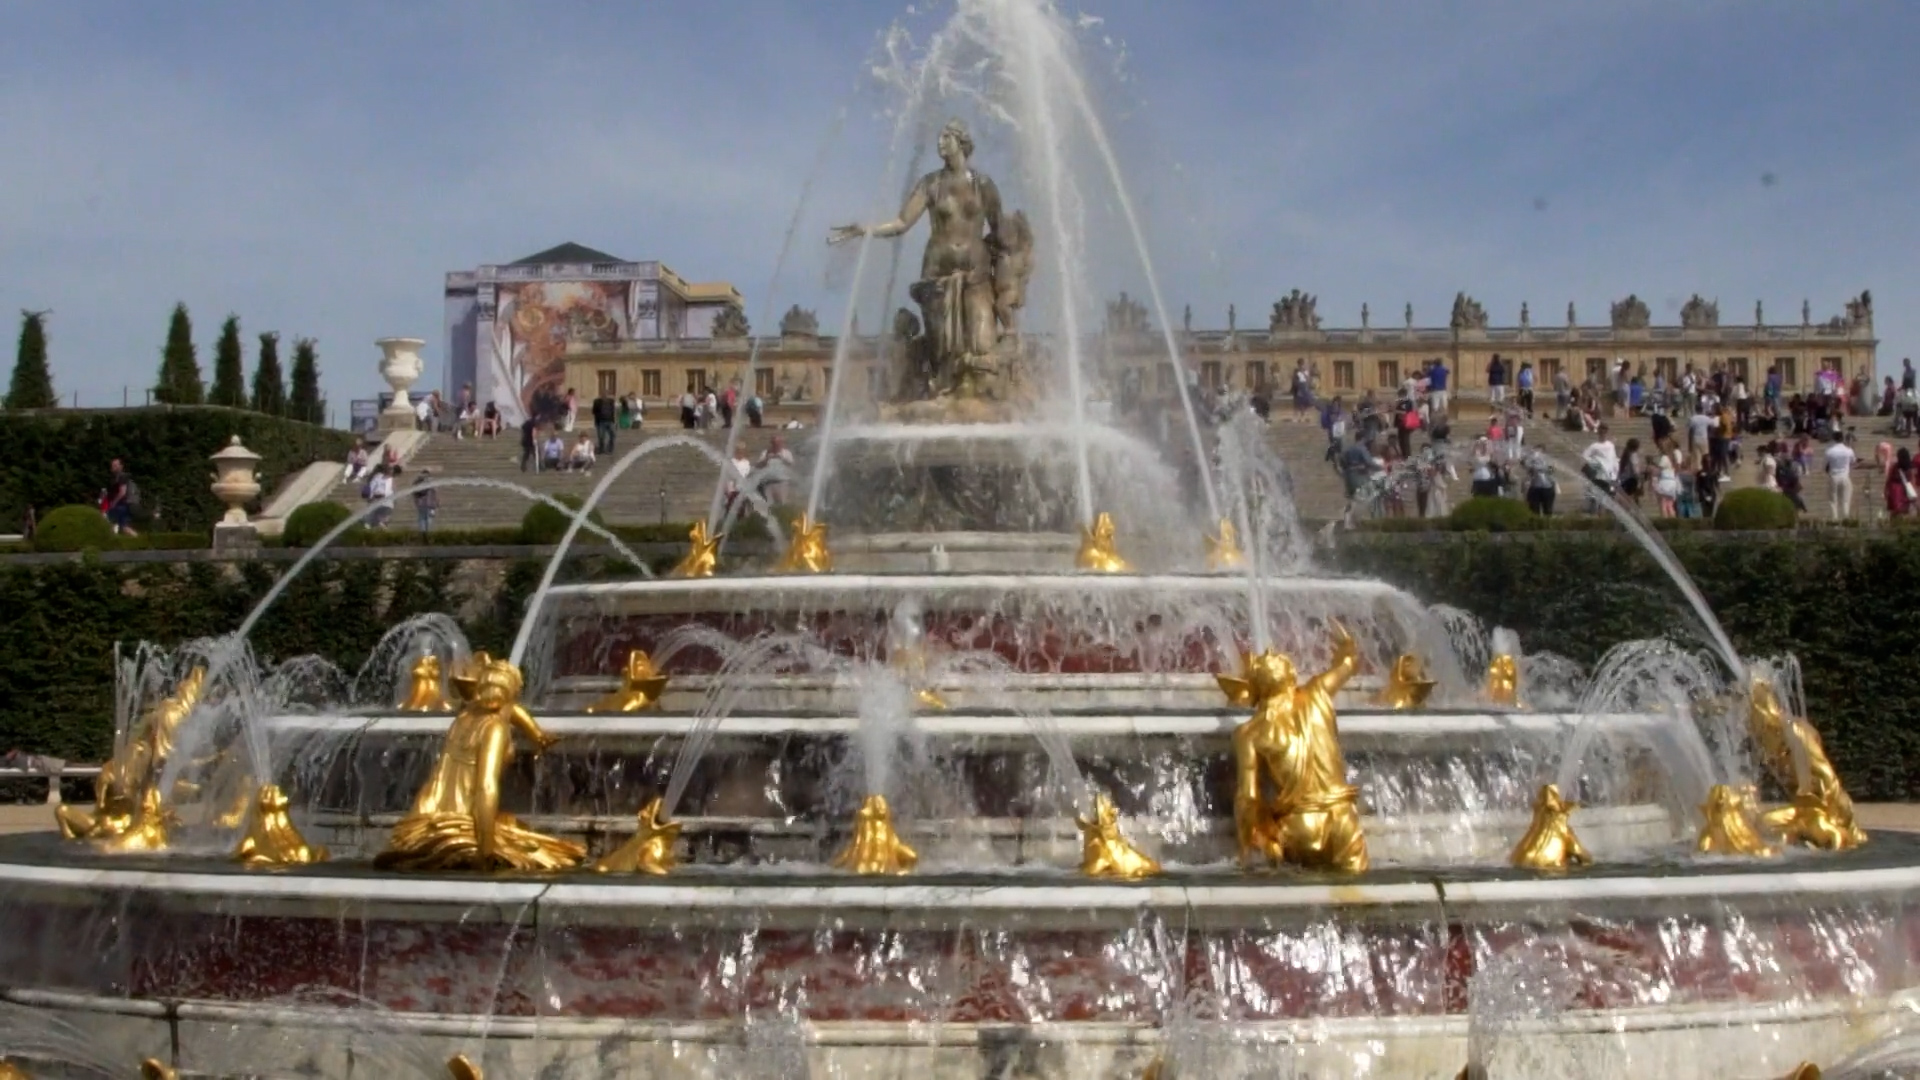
x=1270, y=674
x=271, y=800
x=955, y=140
x=428, y=667
x=1550, y=800
x=496, y=683
x=1504, y=668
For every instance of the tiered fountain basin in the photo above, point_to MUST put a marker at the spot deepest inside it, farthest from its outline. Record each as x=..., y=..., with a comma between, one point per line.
x=1438, y=788
x=1708, y=969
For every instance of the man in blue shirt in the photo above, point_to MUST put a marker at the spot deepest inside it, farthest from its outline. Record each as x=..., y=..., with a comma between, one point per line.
x=1525, y=383
x=1437, y=388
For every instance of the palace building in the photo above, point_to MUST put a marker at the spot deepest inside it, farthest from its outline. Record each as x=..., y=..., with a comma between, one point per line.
x=792, y=367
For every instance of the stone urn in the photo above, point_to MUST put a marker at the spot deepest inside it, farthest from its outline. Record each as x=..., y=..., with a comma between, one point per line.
x=234, y=482
x=400, y=366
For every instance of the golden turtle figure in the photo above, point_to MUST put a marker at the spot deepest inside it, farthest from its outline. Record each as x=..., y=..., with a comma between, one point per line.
x=426, y=691
x=1732, y=826
x=807, y=552
x=1097, y=551
x=876, y=848
x=1408, y=685
x=271, y=838
x=703, y=553
x=640, y=687
x=1104, y=853
x=1550, y=843
x=1503, y=681
x=1223, y=548
x=653, y=848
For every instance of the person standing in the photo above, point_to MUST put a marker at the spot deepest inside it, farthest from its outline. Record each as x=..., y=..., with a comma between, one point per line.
x=123, y=498
x=604, y=419
x=1437, y=395
x=529, y=452
x=1525, y=383
x=572, y=406
x=1600, y=463
x=1541, y=486
x=426, y=500
x=1840, y=460
x=1497, y=380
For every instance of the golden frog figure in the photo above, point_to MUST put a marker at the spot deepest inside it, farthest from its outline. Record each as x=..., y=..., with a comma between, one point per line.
x=425, y=690
x=1223, y=548
x=640, y=687
x=911, y=662
x=651, y=850
x=152, y=1069
x=1821, y=813
x=807, y=552
x=1097, y=548
x=122, y=788
x=1732, y=827
x=1104, y=853
x=1503, y=681
x=876, y=848
x=461, y=1067
x=703, y=553
x=271, y=838
x=1550, y=843
x=1407, y=684
x=1292, y=742
x=456, y=822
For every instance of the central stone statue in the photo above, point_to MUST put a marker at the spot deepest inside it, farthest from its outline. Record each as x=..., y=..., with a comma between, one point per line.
x=973, y=276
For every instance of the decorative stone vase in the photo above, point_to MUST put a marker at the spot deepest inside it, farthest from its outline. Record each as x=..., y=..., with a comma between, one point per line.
x=234, y=482
x=400, y=366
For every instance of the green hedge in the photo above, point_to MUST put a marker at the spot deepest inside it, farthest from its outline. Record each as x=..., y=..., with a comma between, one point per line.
x=309, y=524
x=73, y=528
x=57, y=457
x=1751, y=509
x=1490, y=513
x=544, y=524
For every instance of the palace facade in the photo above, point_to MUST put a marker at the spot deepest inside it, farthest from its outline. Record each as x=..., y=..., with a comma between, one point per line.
x=792, y=367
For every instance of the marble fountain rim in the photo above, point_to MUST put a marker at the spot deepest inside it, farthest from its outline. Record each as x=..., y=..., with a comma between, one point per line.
x=1649, y=1018
x=944, y=586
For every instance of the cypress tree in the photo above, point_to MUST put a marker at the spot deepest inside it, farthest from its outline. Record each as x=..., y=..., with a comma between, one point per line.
x=269, y=387
x=303, y=397
x=32, y=385
x=179, y=382
x=229, y=372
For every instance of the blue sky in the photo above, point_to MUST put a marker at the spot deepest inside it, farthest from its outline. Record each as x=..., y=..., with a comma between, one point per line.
x=317, y=168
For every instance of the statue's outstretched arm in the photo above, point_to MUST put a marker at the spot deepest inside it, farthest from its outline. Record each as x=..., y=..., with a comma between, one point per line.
x=524, y=722
x=910, y=212
x=1346, y=661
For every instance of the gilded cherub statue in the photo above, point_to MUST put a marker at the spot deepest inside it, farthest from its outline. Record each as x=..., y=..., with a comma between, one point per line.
x=651, y=850
x=1732, y=827
x=1503, y=681
x=1097, y=548
x=426, y=692
x=1821, y=814
x=1223, y=548
x=1292, y=743
x=1549, y=843
x=876, y=848
x=1408, y=685
x=807, y=552
x=270, y=838
x=640, y=687
x=456, y=822
x=127, y=779
x=703, y=553
x=1104, y=853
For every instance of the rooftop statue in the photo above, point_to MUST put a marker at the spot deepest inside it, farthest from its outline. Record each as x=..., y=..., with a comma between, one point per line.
x=974, y=271
x=1294, y=311
x=1699, y=314
x=731, y=323
x=1631, y=314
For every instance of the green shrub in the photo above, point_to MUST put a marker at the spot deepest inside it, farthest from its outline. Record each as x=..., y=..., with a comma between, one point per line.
x=1490, y=513
x=307, y=524
x=1751, y=509
x=73, y=528
x=544, y=524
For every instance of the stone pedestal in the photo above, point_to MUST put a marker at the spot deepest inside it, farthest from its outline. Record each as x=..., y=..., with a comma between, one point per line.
x=236, y=538
x=400, y=366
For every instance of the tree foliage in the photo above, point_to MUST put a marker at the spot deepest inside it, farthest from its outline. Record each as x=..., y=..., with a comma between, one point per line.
x=229, y=370
x=269, y=385
x=303, y=399
x=179, y=382
x=32, y=383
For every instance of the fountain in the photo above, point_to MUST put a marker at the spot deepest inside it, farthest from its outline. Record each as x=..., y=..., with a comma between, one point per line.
x=1037, y=752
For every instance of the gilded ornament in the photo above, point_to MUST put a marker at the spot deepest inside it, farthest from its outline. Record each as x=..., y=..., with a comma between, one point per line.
x=1156, y=1069
x=1223, y=548
x=1732, y=826
x=876, y=848
x=271, y=838
x=1292, y=744
x=1503, y=681
x=124, y=783
x=651, y=850
x=456, y=822
x=640, y=687
x=1407, y=684
x=1550, y=843
x=1097, y=548
x=461, y=1067
x=1104, y=853
x=911, y=662
x=148, y=830
x=1806, y=1070
x=807, y=552
x=10, y=1071
x=426, y=692
x=1821, y=813
x=703, y=553
x=151, y=1069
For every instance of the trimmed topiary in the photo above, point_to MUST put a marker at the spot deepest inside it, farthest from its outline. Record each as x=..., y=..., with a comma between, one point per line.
x=1752, y=509
x=1490, y=513
x=307, y=524
x=73, y=528
x=545, y=525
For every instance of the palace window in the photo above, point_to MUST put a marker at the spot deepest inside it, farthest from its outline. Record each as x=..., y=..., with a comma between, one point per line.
x=1210, y=374
x=650, y=383
x=1740, y=369
x=1549, y=371
x=1832, y=363
x=605, y=384
x=763, y=382
x=1597, y=370
x=1789, y=367
x=1256, y=375
x=696, y=380
x=1389, y=374
x=1343, y=374
x=1668, y=368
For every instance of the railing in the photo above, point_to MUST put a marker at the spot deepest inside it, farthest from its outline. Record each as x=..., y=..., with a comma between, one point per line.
x=53, y=770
